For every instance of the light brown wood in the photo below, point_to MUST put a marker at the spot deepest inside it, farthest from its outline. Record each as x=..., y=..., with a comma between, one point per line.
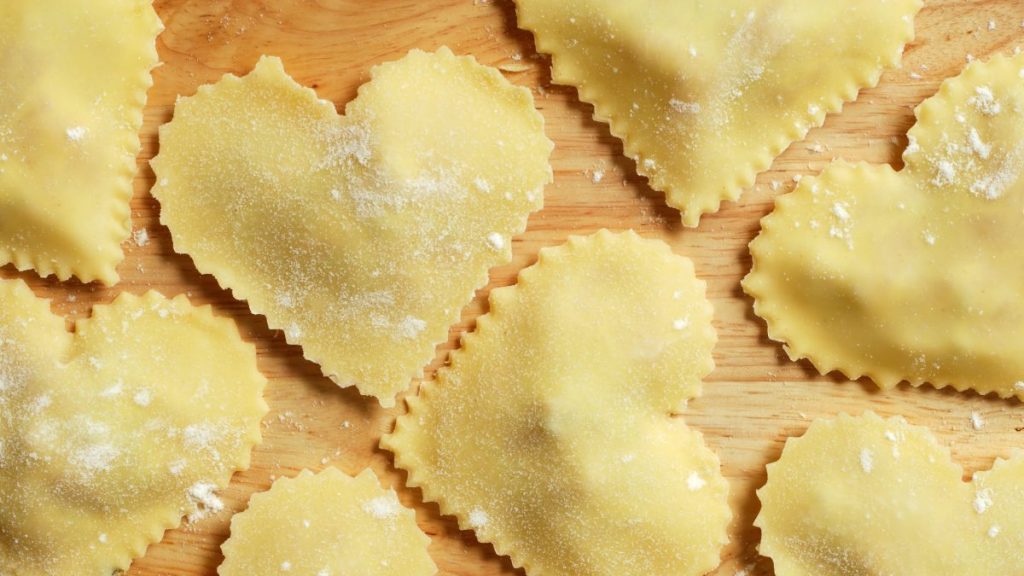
x=752, y=402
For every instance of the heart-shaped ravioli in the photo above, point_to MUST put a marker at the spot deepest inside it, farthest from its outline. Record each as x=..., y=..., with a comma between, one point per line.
x=913, y=275
x=327, y=524
x=860, y=496
x=75, y=76
x=550, y=433
x=109, y=435
x=705, y=94
x=362, y=237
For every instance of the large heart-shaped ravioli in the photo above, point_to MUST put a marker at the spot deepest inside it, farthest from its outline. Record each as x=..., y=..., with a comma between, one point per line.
x=913, y=275
x=362, y=237
x=109, y=435
x=549, y=434
x=75, y=76
x=705, y=94
x=862, y=496
x=326, y=524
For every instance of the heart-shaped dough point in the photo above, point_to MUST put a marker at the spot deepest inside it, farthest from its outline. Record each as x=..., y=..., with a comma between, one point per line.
x=913, y=275
x=863, y=496
x=706, y=93
x=110, y=435
x=550, y=435
x=361, y=237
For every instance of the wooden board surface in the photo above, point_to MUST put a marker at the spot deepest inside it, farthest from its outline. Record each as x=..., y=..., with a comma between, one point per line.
x=754, y=399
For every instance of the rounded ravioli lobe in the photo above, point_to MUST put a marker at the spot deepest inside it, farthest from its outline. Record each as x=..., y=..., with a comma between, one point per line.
x=858, y=496
x=110, y=435
x=550, y=434
x=327, y=524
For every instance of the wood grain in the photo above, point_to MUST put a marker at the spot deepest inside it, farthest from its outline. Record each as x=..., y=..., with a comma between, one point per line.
x=753, y=400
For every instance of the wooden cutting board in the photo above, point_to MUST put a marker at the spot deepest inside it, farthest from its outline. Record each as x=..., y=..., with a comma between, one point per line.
x=753, y=401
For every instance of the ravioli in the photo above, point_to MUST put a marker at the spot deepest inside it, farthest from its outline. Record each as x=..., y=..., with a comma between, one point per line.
x=705, y=94
x=361, y=237
x=327, y=524
x=912, y=275
x=110, y=435
x=75, y=76
x=861, y=496
x=550, y=434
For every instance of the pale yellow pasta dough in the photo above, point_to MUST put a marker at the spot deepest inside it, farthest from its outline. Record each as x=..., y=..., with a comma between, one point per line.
x=361, y=237
x=913, y=275
x=75, y=75
x=109, y=435
x=706, y=93
x=863, y=496
x=550, y=434
x=328, y=524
